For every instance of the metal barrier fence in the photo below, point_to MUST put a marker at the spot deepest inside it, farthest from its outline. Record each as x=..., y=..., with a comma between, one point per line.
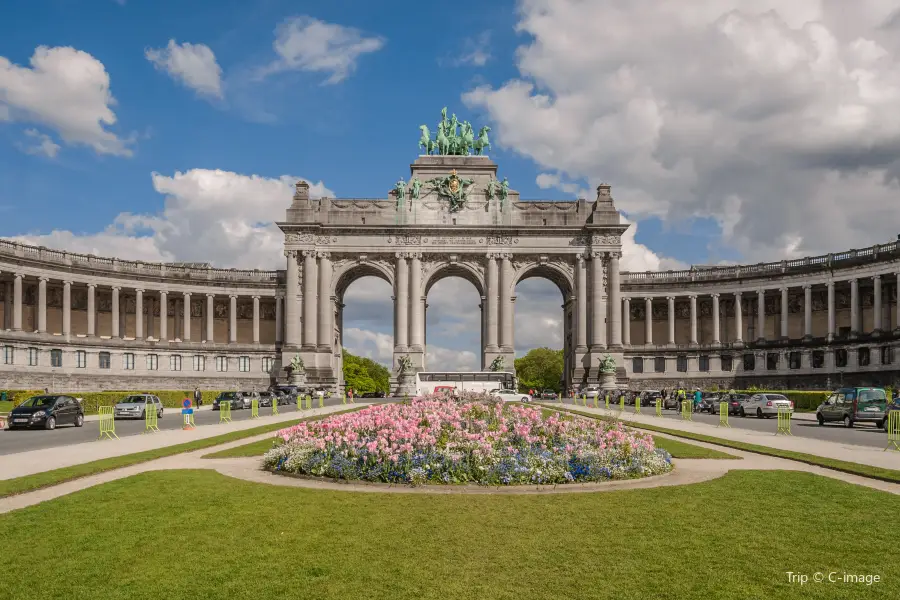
x=254, y=408
x=687, y=410
x=107, y=423
x=274, y=405
x=583, y=398
x=607, y=402
x=151, y=418
x=893, y=430
x=225, y=412
x=723, y=415
x=299, y=402
x=784, y=421
x=308, y=402
x=659, y=408
x=637, y=405
x=322, y=400
x=622, y=404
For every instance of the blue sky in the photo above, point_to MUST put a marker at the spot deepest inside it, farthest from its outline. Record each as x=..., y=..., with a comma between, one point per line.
x=718, y=149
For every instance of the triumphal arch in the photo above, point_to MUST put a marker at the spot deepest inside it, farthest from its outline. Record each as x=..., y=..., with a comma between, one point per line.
x=455, y=216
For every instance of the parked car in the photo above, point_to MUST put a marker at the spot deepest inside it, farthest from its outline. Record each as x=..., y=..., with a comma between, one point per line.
x=709, y=402
x=248, y=397
x=136, y=406
x=510, y=396
x=290, y=391
x=266, y=398
x=374, y=395
x=734, y=403
x=649, y=397
x=854, y=405
x=549, y=395
x=672, y=401
x=47, y=412
x=591, y=391
x=764, y=405
x=234, y=399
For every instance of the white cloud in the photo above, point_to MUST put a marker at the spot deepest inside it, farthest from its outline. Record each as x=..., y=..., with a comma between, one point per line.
x=44, y=144
x=193, y=64
x=64, y=89
x=778, y=120
x=214, y=216
x=307, y=44
x=476, y=52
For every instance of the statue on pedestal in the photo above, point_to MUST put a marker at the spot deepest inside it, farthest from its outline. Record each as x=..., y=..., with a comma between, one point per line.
x=497, y=364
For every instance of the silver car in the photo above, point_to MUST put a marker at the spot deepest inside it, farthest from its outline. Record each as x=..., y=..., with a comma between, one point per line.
x=136, y=407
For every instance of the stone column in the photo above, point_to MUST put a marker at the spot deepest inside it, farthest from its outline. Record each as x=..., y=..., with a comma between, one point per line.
x=581, y=301
x=506, y=305
x=693, y=298
x=416, y=322
x=255, y=319
x=648, y=321
x=279, y=320
x=17, y=302
x=626, y=322
x=210, y=318
x=492, y=304
x=114, y=331
x=401, y=302
x=598, y=306
x=149, y=323
x=91, y=310
x=138, y=314
x=807, y=311
x=876, y=322
x=326, y=310
x=310, y=281
x=42, y=305
x=291, y=300
x=761, y=315
x=854, y=307
x=784, y=313
x=615, y=302
x=232, y=318
x=164, y=316
x=897, y=305
x=671, y=300
x=715, y=320
x=738, y=319
x=830, y=311
x=186, y=323
x=67, y=309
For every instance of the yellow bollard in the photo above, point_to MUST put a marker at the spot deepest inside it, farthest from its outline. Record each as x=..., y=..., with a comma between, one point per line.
x=299, y=402
x=622, y=404
x=687, y=412
x=584, y=398
x=254, y=408
x=606, y=399
x=321, y=400
x=274, y=405
x=225, y=412
x=784, y=421
x=308, y=402
x=893, y=430
x=659, y=408
x=151, y=422
x=637, y=405
x=723, y=415
x=107, y=423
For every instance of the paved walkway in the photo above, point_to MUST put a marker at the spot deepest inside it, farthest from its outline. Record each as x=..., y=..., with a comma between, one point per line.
x=875, y=457
x=48, y=459
x=687, y=471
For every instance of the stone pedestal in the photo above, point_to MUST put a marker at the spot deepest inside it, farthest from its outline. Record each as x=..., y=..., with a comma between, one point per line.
x=406, y=385
x=608, y=380
x=298, y=378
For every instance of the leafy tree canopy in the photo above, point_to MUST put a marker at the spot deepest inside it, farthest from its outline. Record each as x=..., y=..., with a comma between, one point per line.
x=541, y=369
x=364, y=374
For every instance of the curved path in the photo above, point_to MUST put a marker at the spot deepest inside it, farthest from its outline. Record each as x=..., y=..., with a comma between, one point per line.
x=687, y=471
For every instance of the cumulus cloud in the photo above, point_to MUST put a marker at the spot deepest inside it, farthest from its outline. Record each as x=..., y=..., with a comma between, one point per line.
x=307, y=44
x=476, y=51
x=66, y=90
x=214, y=216
x=41, y=144
x=193, y=64
x=778, y=120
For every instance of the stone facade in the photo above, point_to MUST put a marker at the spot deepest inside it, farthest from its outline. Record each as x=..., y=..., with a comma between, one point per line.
x=85, y=322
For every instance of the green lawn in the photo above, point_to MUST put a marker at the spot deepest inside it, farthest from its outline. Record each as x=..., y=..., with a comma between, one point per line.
x=844, y=466
x=257, y=448
x=28, y=483
x=198, y=534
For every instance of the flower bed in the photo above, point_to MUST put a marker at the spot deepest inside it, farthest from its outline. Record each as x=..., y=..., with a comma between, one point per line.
x=442, y=442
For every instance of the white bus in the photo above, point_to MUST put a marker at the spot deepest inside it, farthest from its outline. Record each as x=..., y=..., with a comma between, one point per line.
x=427, y=382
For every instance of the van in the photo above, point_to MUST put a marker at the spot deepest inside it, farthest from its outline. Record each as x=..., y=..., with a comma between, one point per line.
x=854, y=405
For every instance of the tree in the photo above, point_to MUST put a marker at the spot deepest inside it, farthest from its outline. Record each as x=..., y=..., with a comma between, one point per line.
x=364, y=374
x=541, y=369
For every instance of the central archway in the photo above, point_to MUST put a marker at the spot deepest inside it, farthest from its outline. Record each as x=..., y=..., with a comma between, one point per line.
x=454, y=323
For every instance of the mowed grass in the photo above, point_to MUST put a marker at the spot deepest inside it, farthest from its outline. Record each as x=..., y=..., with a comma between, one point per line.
x=257, y=448
x=198, y=534
x=29, y=483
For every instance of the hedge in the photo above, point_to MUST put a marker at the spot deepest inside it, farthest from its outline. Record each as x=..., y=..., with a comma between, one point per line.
x=17, y=397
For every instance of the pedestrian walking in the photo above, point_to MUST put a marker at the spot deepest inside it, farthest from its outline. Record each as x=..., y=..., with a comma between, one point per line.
x=198, y=397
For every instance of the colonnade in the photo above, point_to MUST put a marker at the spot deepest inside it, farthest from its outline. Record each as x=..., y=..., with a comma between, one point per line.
x=856, y=328
x=145, y=299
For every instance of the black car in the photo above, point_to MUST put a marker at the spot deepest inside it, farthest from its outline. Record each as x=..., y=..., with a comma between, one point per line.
x=280, y=397
x=649, y=397
x=235, y=399
x=708, y=403
x=290, y=392
x=374, y=395
x=47, y=412
x=734, y=403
